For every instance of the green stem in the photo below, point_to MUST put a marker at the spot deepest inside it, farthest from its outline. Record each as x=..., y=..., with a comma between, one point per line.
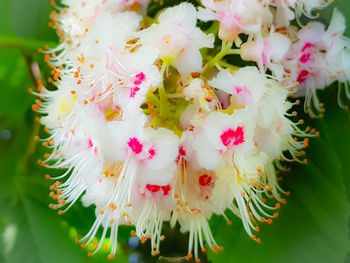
x=153, y=98
x=223, y=52
x=162, y=94
x=23, y=44
x=226, y=65
x=234, y=51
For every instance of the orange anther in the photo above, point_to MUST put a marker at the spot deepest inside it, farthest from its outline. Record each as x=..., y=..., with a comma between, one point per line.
x=82, y=245
x=258, y=240
x=204, y=250
x=189, y=256
x=278, y=205
x=76, y=240
x=110, y=256
x=275, y=215
x=253, y=237
x=263, y=220
x=89, y=254
x=269, y=221
x=257, y=229
x=284, y=201
x=47, y=177
x=35, y=107
x=47, y=58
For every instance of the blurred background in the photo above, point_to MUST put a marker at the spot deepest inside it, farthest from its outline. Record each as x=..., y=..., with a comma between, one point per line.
x=312, y=227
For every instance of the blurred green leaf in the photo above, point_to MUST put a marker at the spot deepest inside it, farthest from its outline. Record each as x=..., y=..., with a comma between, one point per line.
x=30, y=19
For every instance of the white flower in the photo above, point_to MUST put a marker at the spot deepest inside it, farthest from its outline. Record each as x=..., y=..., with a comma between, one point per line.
x=235, y=17
x=267, y=51
x=147, y=136
x=178, y=39
x=318, y=59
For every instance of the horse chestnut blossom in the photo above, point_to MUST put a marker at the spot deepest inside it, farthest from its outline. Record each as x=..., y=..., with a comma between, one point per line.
x=154, y=123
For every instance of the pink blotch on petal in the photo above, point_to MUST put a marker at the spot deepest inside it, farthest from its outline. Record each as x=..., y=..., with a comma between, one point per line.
x=182, y=154
x=307, y=45
x=305, y=58
x=139, y=78
x=153, y=188
x=135, y=145
x=303, y=75
x=231, y=136
x=242, y=90
x=90, y=144
x=152, y=153
x=239, y=136
x=265, y=52
x=204, y=180
x=166, y=189
x=133, y=91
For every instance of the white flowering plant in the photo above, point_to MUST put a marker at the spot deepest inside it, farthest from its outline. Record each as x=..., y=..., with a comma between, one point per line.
x=164, y=113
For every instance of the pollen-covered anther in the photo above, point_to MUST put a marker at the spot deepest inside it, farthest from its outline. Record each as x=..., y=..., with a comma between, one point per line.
x=155, y=252
x=189, y=256
x=112, y=206
x=111, y=256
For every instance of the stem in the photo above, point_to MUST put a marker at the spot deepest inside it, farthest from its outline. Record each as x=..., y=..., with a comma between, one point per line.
x=226, y=65
x=234, y=51
x=225, y=48
x=22, y=43
x=162, y=94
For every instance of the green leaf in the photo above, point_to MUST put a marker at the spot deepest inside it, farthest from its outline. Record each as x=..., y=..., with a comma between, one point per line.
x=30, y=19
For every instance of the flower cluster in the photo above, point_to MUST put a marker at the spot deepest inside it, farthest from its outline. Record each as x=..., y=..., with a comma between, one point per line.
x=154, y=122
